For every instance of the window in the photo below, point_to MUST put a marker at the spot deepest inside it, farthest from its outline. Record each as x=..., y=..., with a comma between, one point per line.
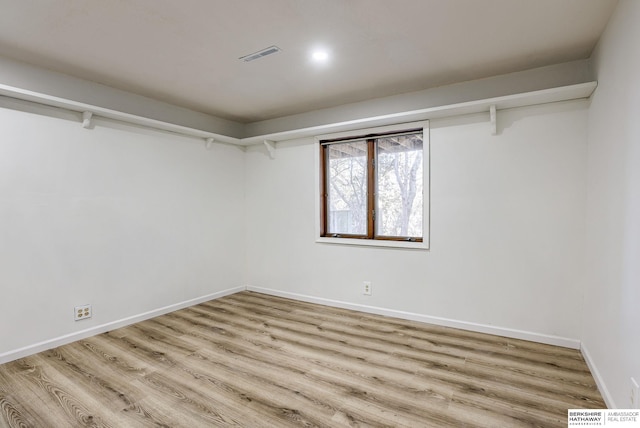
x=373, y=186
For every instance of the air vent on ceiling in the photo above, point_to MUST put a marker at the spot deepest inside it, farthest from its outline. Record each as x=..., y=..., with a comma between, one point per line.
x=260, y=54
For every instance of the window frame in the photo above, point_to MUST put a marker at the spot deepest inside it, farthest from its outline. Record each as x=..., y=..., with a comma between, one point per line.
x=370, y=238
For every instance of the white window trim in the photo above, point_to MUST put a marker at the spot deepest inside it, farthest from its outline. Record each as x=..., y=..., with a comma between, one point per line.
x=424, y=245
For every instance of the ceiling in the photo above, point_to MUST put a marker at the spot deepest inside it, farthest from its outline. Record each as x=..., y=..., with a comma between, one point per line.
x=186, y=52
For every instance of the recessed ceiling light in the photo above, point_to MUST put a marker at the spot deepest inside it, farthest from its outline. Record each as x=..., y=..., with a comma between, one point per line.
x=320, y=55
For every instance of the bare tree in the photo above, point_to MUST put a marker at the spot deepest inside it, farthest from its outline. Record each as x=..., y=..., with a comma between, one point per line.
x=348, y=189
x=406, y=170
x=399, y=183
x=397, y=192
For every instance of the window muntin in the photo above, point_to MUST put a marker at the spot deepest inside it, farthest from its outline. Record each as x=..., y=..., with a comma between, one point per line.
x=372, y=186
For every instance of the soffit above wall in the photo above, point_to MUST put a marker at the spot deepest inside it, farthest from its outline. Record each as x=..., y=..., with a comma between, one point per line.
x=544, y=85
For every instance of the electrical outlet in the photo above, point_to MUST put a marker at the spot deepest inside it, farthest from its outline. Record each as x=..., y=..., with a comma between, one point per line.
x=635, y=395
x=82, y=312
x=366, y=290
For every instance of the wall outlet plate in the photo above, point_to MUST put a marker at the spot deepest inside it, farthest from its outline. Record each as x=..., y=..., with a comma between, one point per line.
x=366, y=288
x=635, y=394
x=82, y=312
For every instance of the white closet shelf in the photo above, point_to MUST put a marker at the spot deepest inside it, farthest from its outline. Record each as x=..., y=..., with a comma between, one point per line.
x=557, y=94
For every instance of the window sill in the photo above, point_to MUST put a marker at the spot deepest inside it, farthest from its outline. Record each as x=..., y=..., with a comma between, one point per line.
x=374, y=243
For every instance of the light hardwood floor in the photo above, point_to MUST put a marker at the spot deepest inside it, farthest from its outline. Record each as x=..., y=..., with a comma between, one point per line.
x=254, y=360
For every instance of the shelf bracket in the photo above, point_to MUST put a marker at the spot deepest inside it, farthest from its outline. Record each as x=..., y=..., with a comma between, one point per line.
x=271, y=148
x=86, y=119
x=208, y=143
x=493, y=118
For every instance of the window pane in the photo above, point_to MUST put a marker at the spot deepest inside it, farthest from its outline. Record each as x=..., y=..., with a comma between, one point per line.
x=347, y=188
x=399, y=186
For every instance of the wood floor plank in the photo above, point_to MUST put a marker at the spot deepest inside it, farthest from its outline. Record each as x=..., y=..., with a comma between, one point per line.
x=248, y=385
x=253, y=360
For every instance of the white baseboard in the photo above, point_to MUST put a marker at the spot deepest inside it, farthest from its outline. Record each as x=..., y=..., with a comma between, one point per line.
x=602, y=387
x=72, y=337
x=463, y=325
x=481, y=328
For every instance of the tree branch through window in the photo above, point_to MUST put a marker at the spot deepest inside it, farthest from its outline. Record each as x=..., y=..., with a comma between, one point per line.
x=372, y=187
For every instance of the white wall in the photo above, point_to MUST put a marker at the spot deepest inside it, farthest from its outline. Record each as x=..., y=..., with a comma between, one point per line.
x=507, y=226
x=127, y=219
x=611, y=332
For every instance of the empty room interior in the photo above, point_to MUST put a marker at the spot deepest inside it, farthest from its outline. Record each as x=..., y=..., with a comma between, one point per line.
x=318, y=213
